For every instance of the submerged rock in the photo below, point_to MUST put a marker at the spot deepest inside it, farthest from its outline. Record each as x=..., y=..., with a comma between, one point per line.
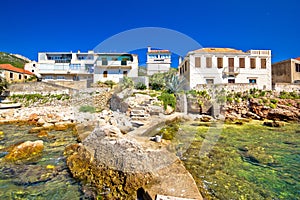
x=25, y=151
x=274, y=124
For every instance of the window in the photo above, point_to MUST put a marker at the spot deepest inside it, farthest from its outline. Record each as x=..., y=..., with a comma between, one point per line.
x=60, y=77
x=242, y=62
x=11, y=75
x=220, y=62
x=124, y=61
x=297, y=67
x=26, y=77
x=32, y=70
x=20, y=76
x=104, y=61
x=252, y=63
x=185, y=66
x=263, y=63
x=231, y=80
x=124, y=73
x=252, y=80
x=48, y=77
x=210, y=81
x=75, y=66
x=197, y=62
x=209, y=62
x=231, y=64
x=105, y=74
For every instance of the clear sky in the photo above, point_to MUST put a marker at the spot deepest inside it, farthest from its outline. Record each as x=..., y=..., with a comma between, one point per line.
x=32, y=26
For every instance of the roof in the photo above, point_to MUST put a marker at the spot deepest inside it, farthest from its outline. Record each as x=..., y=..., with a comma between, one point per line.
x=297, y=58
x=218, y=50
x=159, y=51
x=9, y=67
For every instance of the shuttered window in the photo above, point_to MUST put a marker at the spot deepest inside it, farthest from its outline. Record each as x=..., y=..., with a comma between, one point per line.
x=220, y=62
x=263, y=63
x=252, y=63
x=209, y=62
x=197, y=62
x=242, y=62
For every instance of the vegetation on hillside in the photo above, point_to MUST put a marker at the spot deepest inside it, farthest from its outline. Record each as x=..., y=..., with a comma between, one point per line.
x=6, y=58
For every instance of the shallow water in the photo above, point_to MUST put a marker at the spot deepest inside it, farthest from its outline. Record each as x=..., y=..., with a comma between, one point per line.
x=250, y=161
x=45, y=178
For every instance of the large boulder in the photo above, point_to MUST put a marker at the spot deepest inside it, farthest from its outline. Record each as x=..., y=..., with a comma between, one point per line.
x=117, y=101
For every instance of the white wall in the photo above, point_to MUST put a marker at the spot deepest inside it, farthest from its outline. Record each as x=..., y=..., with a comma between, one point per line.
x=199, y=75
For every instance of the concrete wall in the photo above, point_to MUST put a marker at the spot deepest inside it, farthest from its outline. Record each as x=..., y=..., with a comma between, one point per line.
x=153, y=68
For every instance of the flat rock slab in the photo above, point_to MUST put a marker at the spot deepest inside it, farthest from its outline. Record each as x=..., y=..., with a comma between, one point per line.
x=162, y=197
x=174, y=182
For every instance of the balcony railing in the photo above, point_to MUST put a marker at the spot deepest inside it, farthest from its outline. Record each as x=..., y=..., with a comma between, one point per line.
x=231, y=71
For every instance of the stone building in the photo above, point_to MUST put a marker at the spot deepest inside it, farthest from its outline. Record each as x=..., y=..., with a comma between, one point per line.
x=14, y=74
x=227, y=66
x=286, y=71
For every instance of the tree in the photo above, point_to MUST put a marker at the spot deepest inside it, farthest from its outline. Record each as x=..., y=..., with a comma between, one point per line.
x=3, y=84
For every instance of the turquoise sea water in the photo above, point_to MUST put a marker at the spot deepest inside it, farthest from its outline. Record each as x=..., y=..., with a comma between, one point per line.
x=45, y=178
x=249, y=161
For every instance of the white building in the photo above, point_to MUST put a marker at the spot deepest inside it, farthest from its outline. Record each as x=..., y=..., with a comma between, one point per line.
x=84, y=66
x=227, y=65
x=158, y=61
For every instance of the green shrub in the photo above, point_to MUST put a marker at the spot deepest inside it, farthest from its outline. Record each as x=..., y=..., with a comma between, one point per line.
x=140, y=86
x=262, y=93
x=273, y=106
x=274, y=101
x=229, y=99
x=168, y=100
x=127, y=83
x=87, y=108
x=265, y=100
x=110, y=83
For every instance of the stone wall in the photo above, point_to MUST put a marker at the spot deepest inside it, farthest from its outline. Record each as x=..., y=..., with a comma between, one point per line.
x=237, y=87
x=38, y=88
x=77, y=85
x=288, y=87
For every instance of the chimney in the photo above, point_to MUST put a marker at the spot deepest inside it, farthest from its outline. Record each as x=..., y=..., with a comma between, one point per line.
x=149, y=48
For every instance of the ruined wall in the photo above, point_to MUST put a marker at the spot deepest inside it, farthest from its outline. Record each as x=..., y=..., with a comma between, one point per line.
x=281, y=72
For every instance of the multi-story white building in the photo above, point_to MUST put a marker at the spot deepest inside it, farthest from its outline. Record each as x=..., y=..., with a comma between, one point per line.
x=227, y=65
x=158, y=61
x=85, y=66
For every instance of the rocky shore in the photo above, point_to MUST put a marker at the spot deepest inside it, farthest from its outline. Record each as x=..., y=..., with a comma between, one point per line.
x=113, y=158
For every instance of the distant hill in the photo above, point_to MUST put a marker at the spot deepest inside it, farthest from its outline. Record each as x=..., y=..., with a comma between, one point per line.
x=15, y=60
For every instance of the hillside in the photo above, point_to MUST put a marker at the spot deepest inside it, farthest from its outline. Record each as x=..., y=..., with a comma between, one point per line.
x=6, y=58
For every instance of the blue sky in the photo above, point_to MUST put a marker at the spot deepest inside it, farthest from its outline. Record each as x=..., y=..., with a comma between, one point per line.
x=31, y=26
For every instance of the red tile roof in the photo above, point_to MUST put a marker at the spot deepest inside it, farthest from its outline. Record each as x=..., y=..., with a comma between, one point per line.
x=298, y=58
x=9, y=67
x=159, y=51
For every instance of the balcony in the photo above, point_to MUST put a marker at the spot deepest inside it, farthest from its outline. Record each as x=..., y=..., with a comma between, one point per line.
x=231, y=71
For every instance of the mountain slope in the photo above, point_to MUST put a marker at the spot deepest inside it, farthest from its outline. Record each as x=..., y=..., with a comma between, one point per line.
x=6, y=58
